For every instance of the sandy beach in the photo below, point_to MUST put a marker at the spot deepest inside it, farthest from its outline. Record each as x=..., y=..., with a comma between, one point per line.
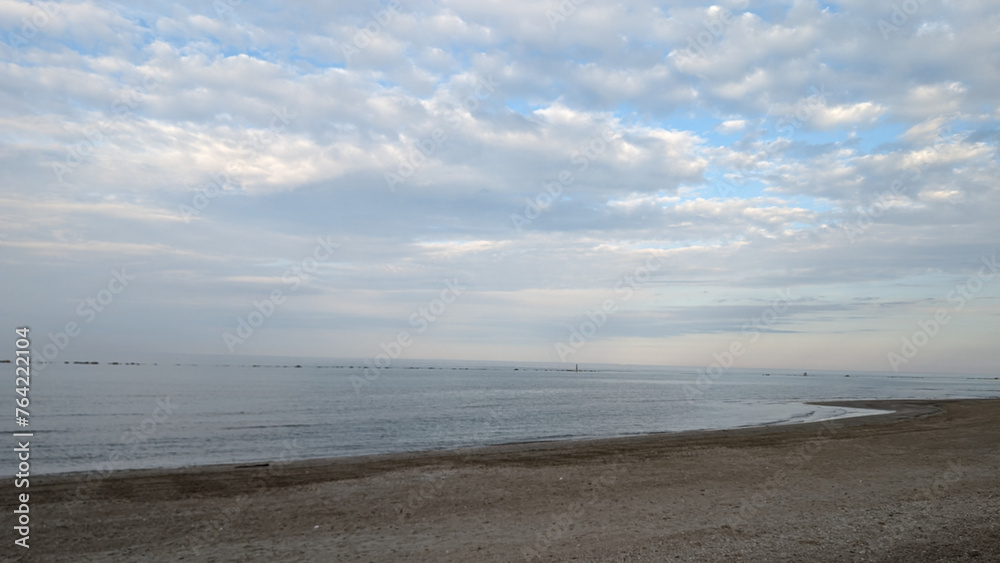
x=922, y=484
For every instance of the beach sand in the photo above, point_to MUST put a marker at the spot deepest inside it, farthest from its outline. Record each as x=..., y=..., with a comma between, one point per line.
x=922, y=484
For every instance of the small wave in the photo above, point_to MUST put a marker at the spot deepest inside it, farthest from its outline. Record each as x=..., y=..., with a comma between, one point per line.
x=265, y=426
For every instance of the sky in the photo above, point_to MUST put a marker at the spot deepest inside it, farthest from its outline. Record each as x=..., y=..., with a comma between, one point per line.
x=786, y=184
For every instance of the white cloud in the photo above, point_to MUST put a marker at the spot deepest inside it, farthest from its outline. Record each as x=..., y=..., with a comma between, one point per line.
x=731, y=126
x=932, y=100
x=863, y=113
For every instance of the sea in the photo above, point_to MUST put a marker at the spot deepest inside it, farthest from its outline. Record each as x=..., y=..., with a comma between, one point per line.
x=97, y=417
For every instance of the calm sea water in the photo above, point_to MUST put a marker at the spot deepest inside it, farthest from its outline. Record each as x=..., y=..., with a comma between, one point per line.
x=87, y=417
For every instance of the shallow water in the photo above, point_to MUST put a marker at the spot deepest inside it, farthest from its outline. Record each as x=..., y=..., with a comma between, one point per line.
x=94, y=417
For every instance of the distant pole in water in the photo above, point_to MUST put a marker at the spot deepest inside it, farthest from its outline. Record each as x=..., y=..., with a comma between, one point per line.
x=577, y=367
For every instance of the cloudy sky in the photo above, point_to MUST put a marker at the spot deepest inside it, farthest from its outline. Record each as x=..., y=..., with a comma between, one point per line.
x=813, y=185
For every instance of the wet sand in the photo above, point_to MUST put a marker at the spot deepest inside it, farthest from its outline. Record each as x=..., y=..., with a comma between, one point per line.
x=921, y=484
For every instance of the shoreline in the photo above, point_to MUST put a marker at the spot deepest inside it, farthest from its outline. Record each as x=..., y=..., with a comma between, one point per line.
x=909, y=406
x=707, y=494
